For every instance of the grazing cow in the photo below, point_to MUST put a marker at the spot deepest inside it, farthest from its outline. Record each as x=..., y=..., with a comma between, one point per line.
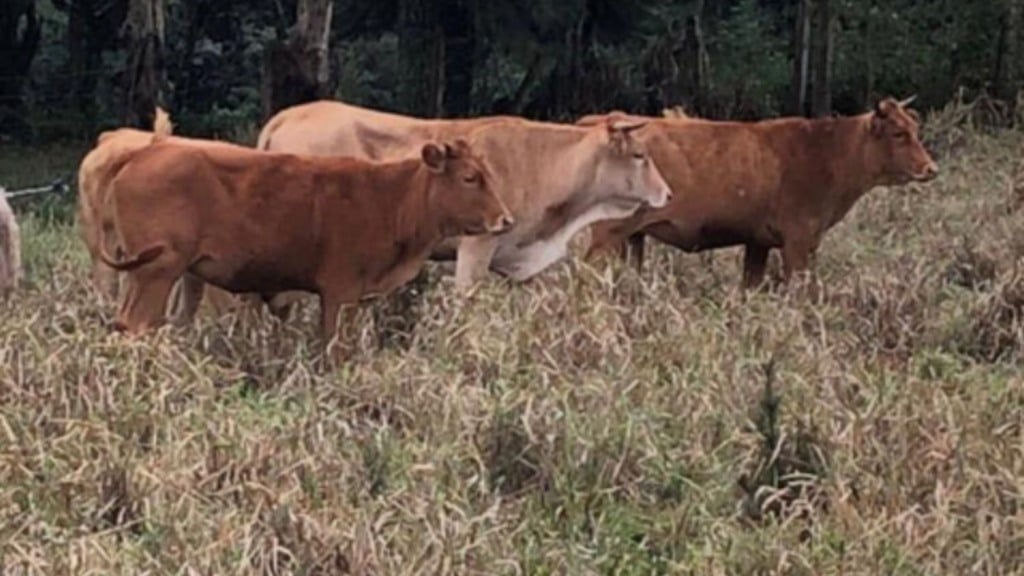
x=10, y=248
x=770, y=184
x=248, y=221
x=555, y=179
x=113, y=149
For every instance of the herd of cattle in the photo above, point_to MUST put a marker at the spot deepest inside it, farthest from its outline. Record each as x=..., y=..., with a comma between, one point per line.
x=347, y=203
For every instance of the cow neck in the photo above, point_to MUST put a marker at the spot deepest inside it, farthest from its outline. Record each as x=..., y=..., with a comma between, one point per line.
x=578, y=195
x=852, y=170
x=417, y=225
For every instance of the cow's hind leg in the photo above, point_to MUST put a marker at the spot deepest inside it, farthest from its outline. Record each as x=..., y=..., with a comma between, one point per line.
x=146, y=294
x=755, y=263
x=189, y=292
x=144, y=303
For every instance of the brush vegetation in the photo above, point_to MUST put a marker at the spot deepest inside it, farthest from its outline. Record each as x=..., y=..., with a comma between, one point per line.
x=592, y=421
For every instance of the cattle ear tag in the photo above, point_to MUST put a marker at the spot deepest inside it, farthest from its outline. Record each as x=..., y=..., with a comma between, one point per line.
x=434, y=157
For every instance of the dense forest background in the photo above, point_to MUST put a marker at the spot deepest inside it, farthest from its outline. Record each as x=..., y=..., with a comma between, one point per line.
x=70, y=67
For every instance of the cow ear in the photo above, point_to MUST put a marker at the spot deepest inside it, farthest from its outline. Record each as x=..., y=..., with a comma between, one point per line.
x=880, y=115
x=434, y=157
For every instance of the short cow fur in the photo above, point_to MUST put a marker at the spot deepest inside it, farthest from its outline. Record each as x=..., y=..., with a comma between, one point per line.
x=250, y=221
x=771, y=184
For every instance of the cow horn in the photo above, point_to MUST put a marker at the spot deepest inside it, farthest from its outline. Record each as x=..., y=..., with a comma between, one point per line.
x=908, y=101
x=627, y=125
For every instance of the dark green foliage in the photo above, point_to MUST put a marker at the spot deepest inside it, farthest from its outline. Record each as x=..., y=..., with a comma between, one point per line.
x=552, y=60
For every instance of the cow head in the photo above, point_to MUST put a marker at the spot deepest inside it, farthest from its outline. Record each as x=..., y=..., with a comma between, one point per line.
x=625, y=171
x=895, y=138
x=461, y=189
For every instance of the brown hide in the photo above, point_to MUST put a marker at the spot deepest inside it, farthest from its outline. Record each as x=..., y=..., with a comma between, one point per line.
x=770, y=184
x=248, y=221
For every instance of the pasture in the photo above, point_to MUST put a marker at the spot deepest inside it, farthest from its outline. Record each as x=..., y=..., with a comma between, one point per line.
x=592, y=421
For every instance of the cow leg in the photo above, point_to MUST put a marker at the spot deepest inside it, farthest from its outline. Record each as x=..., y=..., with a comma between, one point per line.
x=797, y=257
x=105, y=280
x=338, y=344
x=605, y=237
x=755, y=262
x=473, y=260
x=634, y=251
x=189, y=296
x=145, y=302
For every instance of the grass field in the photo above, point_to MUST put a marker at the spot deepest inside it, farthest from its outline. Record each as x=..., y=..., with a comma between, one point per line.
x=589, y=422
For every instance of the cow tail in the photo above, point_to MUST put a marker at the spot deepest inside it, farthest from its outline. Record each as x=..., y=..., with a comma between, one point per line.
x=162, y=127
x=145, y=257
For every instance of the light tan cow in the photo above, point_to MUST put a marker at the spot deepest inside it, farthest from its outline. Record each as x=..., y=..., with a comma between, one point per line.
x=556, y=179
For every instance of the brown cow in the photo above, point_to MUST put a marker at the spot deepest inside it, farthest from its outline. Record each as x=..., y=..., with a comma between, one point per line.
x=10, y=248
x=95, y=174
x=248, y=221
x=770, y=184
x=555, y=179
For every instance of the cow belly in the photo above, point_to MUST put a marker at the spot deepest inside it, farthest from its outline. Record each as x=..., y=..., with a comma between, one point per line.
x=248, y=276
x=707, y=236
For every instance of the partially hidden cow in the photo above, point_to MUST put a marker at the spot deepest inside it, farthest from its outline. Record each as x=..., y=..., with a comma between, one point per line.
x=770, y=184
x=248, y=221
x=555, y=179
x=95, y=175
x=10, y=248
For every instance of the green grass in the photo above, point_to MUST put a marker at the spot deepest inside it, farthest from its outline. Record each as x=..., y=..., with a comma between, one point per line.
x=588, y=422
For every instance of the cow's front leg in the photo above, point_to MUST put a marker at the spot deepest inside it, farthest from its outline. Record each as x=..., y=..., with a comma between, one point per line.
x=755, y=263
x=633, y=251
x=473, y=260
x=337, y=317
x=797, y=259
x=605, y=238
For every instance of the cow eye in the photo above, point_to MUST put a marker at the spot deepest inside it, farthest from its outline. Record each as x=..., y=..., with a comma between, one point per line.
x=903, y=136
x=640, y=156
x=470, y=178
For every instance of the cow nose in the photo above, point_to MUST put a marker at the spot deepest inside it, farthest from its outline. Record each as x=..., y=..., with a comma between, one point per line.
x=504, y=223
x=933, y=170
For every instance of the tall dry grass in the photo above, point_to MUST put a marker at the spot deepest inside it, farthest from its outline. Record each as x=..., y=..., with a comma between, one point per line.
x=589, y=422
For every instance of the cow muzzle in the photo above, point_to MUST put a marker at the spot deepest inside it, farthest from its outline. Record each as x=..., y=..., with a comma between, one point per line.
x=502, y=224
x=930, y=172
x=661, y=198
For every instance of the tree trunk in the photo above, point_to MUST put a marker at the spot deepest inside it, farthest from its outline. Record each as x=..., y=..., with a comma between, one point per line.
x=1008, y=53
x=419, y=57
x=145, y=76
x=299, y=71
x=19, y=42
x=458, y=23
x=821, y=79
x=801, y=58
